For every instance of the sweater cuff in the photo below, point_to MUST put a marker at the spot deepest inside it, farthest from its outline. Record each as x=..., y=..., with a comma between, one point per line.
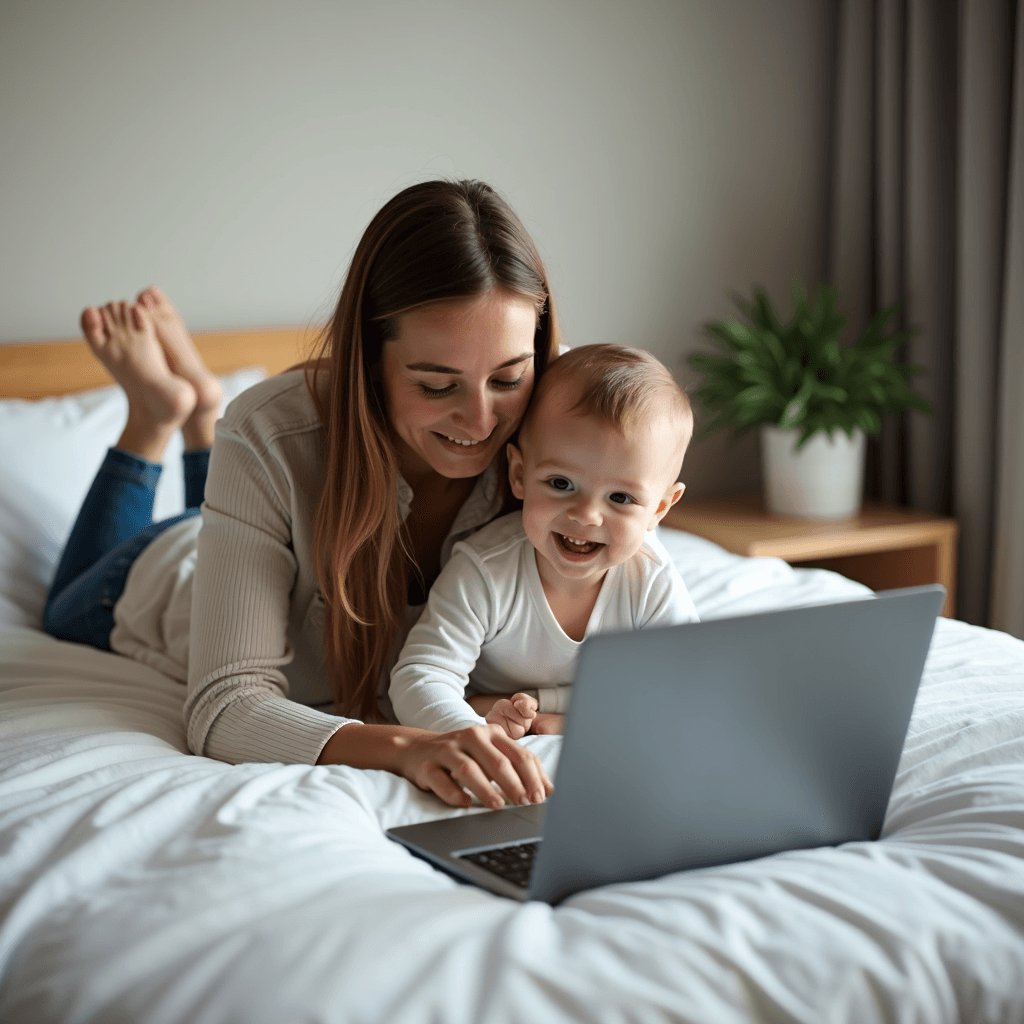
x=261, y=728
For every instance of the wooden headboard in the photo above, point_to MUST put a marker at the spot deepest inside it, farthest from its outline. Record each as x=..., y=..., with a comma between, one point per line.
x=37, y=369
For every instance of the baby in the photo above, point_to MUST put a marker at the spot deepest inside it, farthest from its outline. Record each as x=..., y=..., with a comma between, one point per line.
x=596, y=467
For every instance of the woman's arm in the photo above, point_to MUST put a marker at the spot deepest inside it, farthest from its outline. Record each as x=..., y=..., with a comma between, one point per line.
x=238, y=707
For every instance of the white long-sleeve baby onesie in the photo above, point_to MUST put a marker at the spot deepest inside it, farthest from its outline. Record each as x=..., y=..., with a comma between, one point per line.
x=488, y=628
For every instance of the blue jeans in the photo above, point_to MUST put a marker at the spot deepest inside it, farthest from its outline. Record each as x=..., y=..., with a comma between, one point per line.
x=113, y=526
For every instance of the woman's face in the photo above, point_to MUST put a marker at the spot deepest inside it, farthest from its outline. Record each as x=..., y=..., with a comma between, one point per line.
x=457, y=380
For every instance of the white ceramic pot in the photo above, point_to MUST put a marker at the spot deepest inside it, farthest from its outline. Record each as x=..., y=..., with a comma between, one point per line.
x=823, y=480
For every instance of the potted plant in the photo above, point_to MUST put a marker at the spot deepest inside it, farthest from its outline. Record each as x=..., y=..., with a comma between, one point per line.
x=813, y=399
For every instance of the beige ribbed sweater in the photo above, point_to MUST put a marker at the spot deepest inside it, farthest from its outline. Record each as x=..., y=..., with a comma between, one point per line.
x=233, y=607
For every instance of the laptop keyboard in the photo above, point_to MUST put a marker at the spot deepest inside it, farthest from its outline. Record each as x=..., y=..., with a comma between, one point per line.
x=513, y=863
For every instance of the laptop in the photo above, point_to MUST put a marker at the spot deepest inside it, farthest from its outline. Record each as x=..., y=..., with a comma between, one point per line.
x=708, y=743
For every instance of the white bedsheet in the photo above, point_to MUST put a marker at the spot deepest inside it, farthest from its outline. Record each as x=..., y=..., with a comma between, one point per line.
x=140, y=884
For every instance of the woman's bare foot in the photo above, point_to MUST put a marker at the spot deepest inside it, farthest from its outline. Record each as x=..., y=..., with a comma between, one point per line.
x=184, y=359
x=123, y=339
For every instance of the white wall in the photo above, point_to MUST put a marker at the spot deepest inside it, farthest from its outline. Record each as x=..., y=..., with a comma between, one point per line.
x=662, y=152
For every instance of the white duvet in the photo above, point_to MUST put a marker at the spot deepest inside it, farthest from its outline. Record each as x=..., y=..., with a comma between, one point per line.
x=140, y=884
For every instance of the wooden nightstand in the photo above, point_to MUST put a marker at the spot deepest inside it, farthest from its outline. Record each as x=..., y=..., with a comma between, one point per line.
x=883, y=547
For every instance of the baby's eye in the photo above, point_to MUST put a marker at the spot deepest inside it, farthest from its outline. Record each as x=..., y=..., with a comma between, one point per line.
x=560, y=483
x=620, y=499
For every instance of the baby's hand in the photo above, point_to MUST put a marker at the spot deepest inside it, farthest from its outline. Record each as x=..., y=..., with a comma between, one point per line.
x=515, y=714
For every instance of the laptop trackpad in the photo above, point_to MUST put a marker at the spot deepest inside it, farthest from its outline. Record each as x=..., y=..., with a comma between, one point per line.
x=492, y=828
x=534, y=813
x=473, y=831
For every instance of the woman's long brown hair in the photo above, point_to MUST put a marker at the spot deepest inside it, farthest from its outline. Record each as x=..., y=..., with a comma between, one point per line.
x=434, y=241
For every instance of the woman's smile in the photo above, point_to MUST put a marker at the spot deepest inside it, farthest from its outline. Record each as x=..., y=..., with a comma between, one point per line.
x=458, y=441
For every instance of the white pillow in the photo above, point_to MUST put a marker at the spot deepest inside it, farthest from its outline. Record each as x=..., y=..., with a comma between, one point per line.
x=49, y=453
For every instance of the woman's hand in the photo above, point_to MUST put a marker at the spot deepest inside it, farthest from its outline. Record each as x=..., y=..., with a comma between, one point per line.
x=449, y=763
x=445, y=763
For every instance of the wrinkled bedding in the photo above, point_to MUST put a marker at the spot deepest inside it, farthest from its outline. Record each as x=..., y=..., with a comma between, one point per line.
x=142, y=884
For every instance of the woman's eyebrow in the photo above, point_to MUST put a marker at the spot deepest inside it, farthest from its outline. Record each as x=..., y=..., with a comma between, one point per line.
x=437, y=368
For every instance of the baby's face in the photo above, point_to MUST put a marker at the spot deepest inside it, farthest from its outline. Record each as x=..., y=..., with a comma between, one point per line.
x=590, y=493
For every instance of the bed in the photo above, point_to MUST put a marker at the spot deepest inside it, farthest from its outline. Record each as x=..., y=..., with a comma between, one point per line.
x=142, y=884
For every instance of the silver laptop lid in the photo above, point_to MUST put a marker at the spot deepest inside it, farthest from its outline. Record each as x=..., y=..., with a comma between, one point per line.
x=729, y=739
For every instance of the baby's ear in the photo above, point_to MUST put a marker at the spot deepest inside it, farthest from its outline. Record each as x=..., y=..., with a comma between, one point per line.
x=671, y=496
x=515, y=470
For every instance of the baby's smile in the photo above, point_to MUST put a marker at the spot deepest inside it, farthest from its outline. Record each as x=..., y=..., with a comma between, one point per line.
x=578, y=550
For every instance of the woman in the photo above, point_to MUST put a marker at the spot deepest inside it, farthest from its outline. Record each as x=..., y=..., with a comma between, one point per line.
x=333, y=498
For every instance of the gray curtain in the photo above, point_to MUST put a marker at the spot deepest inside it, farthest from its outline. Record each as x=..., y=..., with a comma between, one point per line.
x=926, y=209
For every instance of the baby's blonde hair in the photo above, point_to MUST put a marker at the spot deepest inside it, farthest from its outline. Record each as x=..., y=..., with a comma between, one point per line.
x=617, y=384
